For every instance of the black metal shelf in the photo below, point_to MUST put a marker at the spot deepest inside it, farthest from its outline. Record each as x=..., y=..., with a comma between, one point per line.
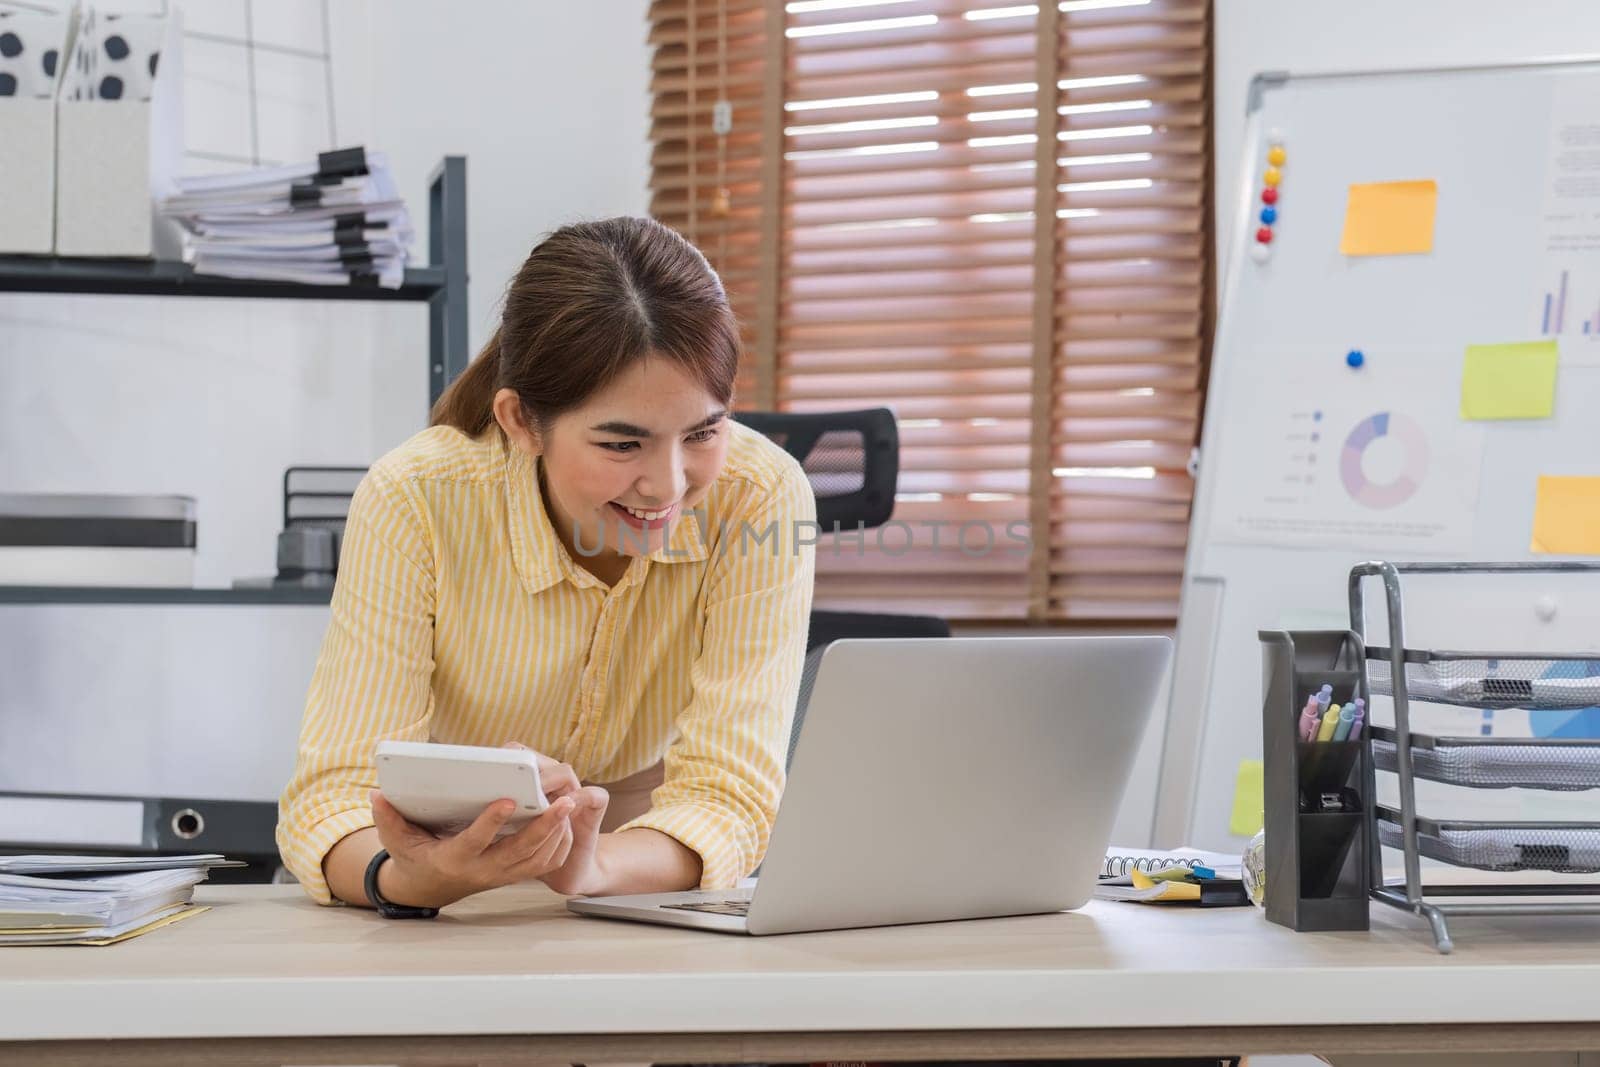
x=143, y=277
x=80, y=594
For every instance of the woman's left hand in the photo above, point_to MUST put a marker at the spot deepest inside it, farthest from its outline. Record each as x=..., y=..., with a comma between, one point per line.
x=581, y=874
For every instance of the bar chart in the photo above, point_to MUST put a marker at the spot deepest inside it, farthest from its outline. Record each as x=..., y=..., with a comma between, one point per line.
x=1564, y=297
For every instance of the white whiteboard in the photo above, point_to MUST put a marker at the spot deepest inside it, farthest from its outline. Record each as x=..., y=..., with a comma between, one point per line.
x=1496, y=140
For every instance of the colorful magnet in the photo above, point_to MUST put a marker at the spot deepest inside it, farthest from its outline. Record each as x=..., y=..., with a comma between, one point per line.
x=1355, y=358
x=1260, y=250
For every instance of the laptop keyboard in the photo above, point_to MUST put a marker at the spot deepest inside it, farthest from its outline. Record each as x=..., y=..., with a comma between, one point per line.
x=715, y=907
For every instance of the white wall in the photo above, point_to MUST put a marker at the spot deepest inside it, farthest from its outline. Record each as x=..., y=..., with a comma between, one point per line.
x=550, y=104
x=213, y=399
x=1301, y=37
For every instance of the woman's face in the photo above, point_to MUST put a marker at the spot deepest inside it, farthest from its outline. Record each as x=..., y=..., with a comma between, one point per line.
x=632, y=461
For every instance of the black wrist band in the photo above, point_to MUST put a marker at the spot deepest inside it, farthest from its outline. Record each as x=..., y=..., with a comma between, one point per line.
x=386, y=908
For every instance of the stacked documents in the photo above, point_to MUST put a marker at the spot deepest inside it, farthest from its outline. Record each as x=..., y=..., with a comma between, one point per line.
x=91, y=900
x=336, y=221
x=1183, y=875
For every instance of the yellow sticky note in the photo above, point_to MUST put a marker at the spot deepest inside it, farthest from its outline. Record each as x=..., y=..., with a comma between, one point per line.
x=1249, y=798
x=1169, y=890
x=1566, y=516
x=1389, y=218
x=1509, y=381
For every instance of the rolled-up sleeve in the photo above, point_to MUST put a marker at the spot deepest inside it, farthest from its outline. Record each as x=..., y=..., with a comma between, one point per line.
x=724, y=771
x=373, y=676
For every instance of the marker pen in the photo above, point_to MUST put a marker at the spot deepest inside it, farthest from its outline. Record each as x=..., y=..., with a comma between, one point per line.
x=1347, y=717
x=1309, y=719
x=1324, y=697
x=1330, y=722
x=1355, y=727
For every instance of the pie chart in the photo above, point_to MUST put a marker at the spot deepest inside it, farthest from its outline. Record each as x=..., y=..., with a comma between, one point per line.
x=1413, y=462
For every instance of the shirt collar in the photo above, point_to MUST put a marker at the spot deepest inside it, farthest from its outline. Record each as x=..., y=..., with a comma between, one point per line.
x=541, y=560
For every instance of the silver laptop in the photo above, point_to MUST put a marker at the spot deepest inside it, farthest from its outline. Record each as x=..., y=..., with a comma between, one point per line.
x=938, y=779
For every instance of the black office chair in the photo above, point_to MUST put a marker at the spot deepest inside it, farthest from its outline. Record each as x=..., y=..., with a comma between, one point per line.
x=852, y=459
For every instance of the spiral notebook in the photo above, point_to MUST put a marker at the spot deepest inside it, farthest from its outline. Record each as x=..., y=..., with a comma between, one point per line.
x=1120, y=863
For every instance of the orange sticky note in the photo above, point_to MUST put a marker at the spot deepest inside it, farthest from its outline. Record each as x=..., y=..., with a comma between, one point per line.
x=1566, y=516
x=1389, y=218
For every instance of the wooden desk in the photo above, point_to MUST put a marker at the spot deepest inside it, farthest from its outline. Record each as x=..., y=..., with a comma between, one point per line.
x=511, y=977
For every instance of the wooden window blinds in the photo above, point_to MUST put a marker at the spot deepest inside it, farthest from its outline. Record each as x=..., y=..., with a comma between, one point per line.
x=991, y=218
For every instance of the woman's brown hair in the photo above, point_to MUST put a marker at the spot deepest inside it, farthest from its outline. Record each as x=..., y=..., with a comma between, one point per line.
x=590, y=300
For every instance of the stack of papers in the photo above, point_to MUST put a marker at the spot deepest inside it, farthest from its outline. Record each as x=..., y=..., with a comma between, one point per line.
x=1189, y=875
x=94, y=900
x=338, y=220
x=1120, y=863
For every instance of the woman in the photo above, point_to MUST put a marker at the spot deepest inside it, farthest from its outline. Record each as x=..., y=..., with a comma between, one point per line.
x=583, y=555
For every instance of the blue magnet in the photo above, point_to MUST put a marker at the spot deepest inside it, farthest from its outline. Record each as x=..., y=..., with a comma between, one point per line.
x=1354, y=357
x=1269, y=215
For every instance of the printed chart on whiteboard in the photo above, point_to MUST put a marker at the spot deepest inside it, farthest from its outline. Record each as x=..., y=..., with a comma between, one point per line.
x=1377, y=461
x=1568, y=303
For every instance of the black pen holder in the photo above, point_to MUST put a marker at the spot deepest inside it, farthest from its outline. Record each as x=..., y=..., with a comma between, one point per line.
x=1317, y=793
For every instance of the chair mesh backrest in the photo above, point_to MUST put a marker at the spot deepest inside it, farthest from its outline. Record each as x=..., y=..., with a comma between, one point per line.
x=837, y=464
x=851, y=458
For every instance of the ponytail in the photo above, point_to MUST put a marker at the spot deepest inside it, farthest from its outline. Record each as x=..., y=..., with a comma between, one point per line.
x=468, y=402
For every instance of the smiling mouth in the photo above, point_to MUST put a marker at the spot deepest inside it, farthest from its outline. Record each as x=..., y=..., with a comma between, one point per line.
x=649, y=519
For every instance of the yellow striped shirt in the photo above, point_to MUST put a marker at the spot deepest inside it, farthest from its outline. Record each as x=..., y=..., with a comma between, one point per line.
x=459, y=617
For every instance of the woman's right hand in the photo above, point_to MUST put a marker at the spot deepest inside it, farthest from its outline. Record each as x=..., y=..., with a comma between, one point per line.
x=425, y=870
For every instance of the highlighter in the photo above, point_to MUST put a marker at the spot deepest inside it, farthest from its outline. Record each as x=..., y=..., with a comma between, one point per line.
x=1324, y=696
x=1330, y=722
x=1309, y=719
x=1355, y=727
x=1347, y=718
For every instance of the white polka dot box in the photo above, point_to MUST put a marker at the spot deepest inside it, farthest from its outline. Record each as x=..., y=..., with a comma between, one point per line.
x=33, y=42
x=110, y=83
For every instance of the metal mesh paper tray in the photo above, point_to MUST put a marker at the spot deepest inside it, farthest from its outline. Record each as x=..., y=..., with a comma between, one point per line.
x=1482, y=763
x=1478, y=681
x=1573, y=848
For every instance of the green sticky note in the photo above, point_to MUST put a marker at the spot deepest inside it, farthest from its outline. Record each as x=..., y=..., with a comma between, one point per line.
x=1509, y=381
x=1249, y=798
